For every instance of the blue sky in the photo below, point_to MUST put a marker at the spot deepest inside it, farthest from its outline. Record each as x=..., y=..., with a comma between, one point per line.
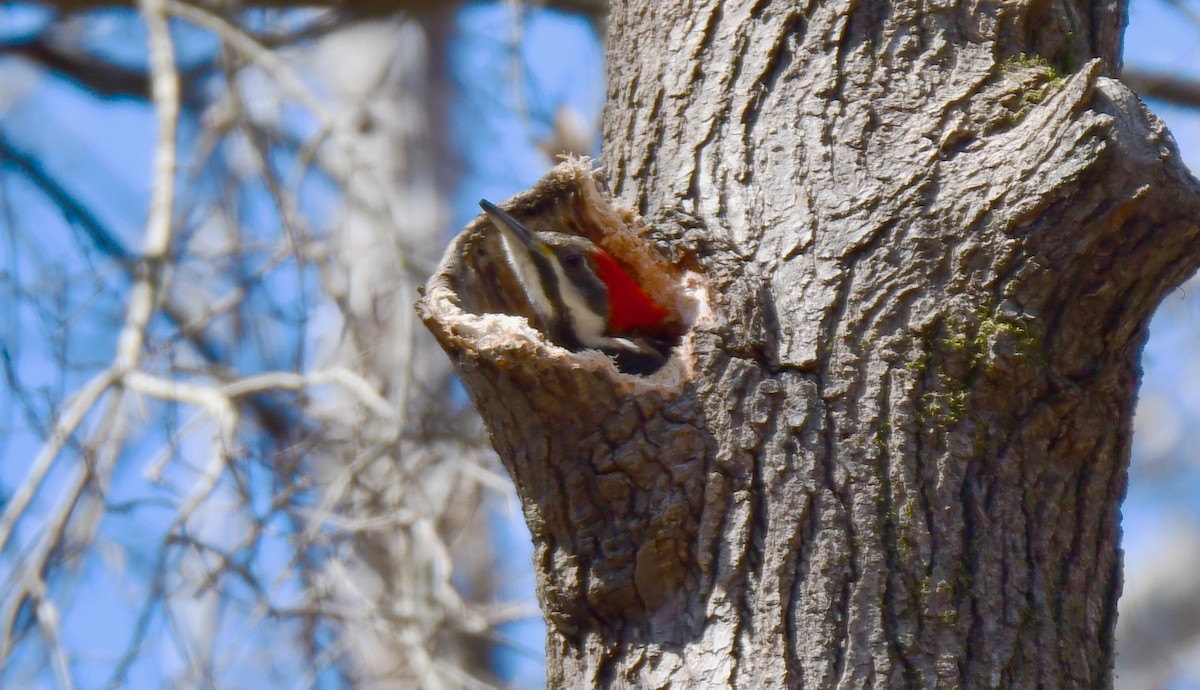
x=103, y=148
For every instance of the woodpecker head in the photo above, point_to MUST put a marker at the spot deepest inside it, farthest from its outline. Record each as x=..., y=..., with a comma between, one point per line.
x=582, y=295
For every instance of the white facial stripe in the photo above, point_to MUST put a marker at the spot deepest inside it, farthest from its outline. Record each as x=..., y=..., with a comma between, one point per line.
x=589, y=326
x=522, y=265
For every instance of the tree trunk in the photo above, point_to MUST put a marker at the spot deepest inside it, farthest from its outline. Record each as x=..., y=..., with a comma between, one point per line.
x=916, y=249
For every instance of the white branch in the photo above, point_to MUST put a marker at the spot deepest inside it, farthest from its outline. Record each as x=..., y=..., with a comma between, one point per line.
x=47, y=615
x=164, y=87
x=68, y=422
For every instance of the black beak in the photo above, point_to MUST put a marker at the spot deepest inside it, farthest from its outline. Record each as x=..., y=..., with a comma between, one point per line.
x=509, y=225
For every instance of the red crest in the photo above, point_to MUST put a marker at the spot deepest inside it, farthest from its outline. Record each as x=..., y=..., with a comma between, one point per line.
x=631, y=307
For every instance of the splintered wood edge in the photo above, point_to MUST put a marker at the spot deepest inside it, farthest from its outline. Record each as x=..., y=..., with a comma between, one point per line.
x=621, y=234
x=510, y=341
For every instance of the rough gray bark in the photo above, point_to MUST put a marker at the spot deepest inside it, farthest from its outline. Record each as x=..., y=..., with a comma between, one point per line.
x=891, y=447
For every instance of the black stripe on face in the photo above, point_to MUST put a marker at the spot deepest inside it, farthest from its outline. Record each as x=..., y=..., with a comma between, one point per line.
x=560, y=330
x=580, y=269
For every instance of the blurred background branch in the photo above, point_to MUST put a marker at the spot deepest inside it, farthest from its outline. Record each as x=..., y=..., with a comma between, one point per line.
x=277, y=483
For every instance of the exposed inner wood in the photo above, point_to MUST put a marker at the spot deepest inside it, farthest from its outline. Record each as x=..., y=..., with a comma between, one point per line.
x=893, y=450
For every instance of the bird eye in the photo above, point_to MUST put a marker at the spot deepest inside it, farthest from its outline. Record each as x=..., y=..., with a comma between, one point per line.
x=573, y=260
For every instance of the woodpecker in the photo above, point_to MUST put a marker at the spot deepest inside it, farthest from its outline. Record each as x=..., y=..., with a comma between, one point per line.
x=583, y=297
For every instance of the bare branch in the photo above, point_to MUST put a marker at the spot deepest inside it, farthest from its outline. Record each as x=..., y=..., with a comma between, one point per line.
x=47, y=615
x=1165, y=86
x=345, y=476
x=68, y=422
x=363, y=9
x=164, y=85
x=67, y=59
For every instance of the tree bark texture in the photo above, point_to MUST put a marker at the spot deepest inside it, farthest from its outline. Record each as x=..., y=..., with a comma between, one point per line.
x=916, y=248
